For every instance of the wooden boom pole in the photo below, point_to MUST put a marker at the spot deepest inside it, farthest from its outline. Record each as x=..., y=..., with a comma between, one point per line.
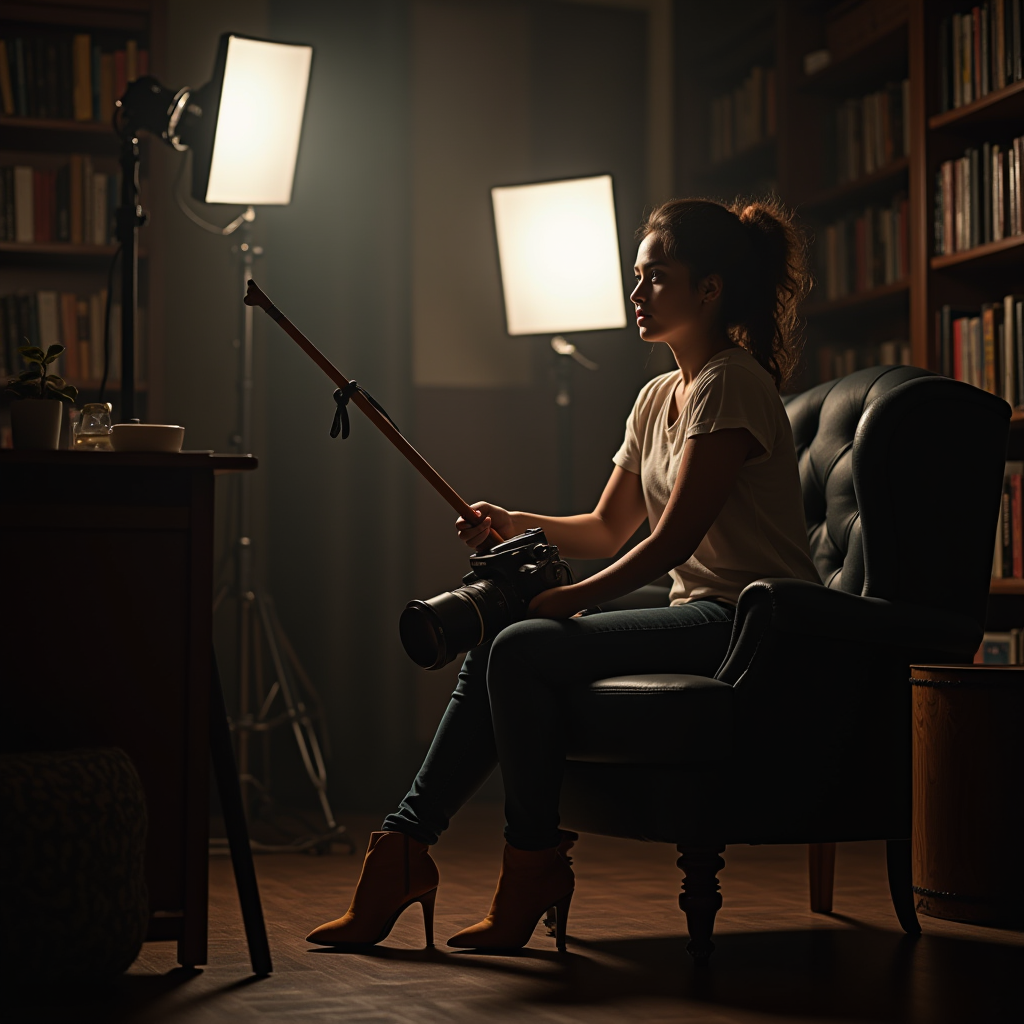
x=255, y=296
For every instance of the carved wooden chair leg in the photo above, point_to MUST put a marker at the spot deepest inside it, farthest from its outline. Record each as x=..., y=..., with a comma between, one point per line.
x=700, y=899
x=897, y=863
x=821, y=870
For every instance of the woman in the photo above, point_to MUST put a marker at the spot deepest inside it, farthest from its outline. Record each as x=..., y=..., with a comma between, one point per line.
x=708, y=459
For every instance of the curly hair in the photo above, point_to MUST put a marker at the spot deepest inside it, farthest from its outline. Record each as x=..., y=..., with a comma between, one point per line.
x=761, y=256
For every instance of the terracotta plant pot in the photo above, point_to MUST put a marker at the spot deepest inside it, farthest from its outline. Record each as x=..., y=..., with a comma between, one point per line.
x=35, y=423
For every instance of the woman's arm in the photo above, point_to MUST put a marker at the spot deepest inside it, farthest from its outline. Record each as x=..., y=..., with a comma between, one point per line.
x=706, y=475
x=597, y=534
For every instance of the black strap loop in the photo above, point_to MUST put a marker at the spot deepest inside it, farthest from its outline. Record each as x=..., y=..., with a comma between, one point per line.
x=341, y=397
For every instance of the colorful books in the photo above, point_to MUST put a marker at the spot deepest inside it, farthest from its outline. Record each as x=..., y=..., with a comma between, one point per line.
x=980, y=51
x=978, y=197
x=72, y=202
x=72, y=320
x=864, y=250
x=65, y=76
x=985, y=346
x=870, y=132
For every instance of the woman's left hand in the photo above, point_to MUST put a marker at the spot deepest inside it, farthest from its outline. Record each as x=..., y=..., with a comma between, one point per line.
x=556, y=603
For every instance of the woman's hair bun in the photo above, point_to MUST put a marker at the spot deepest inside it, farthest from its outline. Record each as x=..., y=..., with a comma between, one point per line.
x=761, y=255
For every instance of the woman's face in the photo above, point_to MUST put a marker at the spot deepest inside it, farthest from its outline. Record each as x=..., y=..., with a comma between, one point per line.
x=668, y=307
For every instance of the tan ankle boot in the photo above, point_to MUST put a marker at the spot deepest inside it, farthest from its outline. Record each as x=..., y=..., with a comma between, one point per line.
x=530, y=882
x=397, y=872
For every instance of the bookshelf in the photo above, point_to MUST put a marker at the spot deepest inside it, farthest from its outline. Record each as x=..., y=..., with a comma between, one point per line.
x=62, y=66
x=873, y=44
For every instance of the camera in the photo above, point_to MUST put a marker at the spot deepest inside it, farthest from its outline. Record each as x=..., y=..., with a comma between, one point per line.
x=496, y=593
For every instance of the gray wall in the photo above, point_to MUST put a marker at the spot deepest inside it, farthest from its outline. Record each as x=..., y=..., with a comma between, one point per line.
x=386, y=260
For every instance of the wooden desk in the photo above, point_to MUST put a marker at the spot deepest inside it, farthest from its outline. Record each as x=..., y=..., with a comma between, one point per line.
x=968, y=778
x=106, y=606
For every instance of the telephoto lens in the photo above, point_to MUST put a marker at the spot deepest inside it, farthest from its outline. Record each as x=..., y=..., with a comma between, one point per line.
x=496, y=593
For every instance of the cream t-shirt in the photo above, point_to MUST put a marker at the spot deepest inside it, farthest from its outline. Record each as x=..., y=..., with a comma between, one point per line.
x=761, y=530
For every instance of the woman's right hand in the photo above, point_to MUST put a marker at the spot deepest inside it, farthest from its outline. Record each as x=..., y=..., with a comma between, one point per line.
x=490, y=517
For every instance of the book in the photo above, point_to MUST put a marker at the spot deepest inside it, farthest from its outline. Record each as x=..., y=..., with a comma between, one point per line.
x=6, y=89
x=988, y=337
x=69, y=332
x=24, y=205
x=82, y=76
x=1017, y=525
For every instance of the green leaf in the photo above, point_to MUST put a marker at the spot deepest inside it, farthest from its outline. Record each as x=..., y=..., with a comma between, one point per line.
x=55, y=381
x=53, y=352
x=34, y=372
x=32, y=353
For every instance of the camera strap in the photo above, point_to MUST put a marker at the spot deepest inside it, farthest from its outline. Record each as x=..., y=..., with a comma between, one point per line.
x=341, y=397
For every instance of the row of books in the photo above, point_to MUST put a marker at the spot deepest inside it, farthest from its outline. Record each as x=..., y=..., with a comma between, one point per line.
x=980, y=50
x=833, y=362
x=72, y=203
x=985, y=346
x=64, y=318
x=870, y=132
x=978, y=197
x=1008, y=557
x=67, y=77
x=864, y=250
x=744, y=117
x=1001, y=649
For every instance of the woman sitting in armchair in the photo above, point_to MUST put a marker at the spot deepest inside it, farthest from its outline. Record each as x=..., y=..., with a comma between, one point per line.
x=708, y=460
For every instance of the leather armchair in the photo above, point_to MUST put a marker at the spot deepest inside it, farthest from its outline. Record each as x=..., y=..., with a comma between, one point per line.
x=803, y=735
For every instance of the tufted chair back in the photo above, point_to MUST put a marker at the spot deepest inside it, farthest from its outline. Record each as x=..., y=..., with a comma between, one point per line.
x=899, y=470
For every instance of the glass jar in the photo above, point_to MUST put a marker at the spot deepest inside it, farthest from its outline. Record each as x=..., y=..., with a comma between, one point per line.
x=93, y=427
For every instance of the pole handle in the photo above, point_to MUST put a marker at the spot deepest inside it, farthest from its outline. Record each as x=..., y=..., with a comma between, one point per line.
x=255, y=296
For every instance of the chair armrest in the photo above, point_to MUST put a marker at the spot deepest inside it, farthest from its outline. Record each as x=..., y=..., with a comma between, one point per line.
x=809, y=609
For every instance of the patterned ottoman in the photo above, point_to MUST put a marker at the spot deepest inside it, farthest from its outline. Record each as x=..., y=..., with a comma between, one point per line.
x=73, y=900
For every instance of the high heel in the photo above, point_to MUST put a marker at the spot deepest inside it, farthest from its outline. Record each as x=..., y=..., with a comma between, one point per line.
x=397, y=872
x=530, y=882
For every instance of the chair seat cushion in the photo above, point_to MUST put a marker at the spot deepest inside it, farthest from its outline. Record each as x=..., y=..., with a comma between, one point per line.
x=651, y=719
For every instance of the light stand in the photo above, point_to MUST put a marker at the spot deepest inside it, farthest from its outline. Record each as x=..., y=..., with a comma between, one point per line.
x=243, y=128
x=260, y=709
x=565, y=354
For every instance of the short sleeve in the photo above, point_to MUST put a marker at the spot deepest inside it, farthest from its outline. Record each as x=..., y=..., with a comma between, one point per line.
x=628, y=455
x=733, y=397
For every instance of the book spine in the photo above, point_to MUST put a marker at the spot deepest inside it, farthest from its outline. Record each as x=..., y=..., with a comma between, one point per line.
x=1017, y=526
x=1009, y=348
x=82, y=77
x=974, y=200
x=24, y=206
x=989, y=349
x=69, y=332
x=999, y=56
x=6, y=88
x=986, y=192
x=984, y=49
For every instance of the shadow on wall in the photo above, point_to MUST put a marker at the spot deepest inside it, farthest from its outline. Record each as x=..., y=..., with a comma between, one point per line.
x=386, y=259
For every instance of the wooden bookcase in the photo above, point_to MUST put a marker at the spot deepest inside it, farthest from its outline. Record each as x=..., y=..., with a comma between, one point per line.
x=47, y=143
x=890, y=41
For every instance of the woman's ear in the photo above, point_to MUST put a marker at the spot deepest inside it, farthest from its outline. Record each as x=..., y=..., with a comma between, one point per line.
x=711, y=288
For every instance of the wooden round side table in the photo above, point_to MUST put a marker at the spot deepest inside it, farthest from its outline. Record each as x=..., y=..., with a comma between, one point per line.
x=968, y=779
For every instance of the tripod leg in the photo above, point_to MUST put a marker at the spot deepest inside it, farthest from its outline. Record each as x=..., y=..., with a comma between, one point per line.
x=226, y=774
x=309, y=748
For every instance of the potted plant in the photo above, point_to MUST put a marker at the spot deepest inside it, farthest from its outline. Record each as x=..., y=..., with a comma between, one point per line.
x=35, y=420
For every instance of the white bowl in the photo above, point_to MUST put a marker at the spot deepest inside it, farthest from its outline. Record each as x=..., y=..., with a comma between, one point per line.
x=147, y=437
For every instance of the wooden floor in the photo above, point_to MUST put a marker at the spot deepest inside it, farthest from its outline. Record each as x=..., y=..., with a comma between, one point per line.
x=775, y=960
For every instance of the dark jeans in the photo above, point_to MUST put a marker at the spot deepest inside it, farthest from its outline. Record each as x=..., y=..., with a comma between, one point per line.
x=509, y=708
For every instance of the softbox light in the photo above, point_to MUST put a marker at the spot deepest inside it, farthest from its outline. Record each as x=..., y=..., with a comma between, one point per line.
x=246, y=141
x=558, y=247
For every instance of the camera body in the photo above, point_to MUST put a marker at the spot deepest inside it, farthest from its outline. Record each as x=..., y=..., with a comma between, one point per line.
x=495, y=593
